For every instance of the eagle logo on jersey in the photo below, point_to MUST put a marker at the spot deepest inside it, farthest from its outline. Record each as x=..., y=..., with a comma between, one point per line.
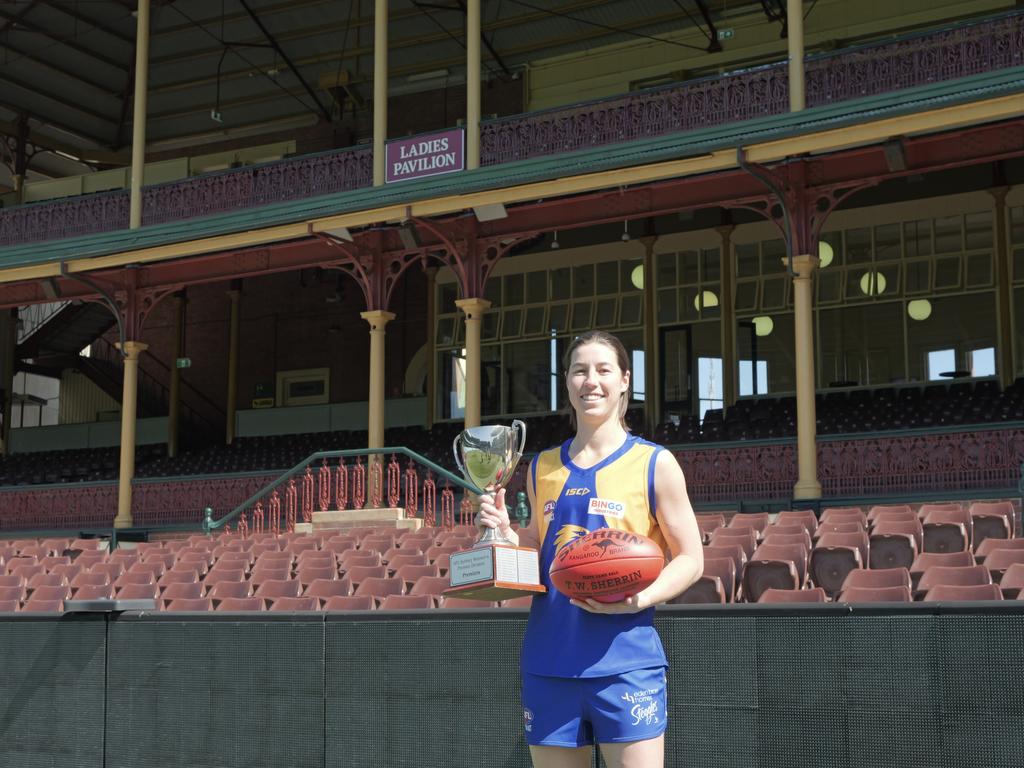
x=568, y=534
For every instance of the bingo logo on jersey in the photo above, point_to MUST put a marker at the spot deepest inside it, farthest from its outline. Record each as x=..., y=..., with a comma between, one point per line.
x=608, y=508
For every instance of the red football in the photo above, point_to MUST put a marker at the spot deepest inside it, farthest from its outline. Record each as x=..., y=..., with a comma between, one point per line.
x=606, y=565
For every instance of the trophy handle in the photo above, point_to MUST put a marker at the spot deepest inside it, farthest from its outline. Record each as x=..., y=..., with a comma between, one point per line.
x=521, y=427
x=457, y=452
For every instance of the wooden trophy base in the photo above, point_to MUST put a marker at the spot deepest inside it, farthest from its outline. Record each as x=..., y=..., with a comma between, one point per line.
x=496, y=572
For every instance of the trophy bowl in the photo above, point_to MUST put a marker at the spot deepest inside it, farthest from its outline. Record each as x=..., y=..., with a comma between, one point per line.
x=487, y=458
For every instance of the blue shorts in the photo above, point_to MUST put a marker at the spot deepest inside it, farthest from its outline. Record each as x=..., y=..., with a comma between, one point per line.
x=580, y=711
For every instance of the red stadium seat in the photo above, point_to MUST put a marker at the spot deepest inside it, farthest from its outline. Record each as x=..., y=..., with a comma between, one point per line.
x=746, y=538
x=309, y=574
x=398, y=561
x=349, y=603
x=226, y=573
x=189, y=604
x=956, y=576
x=708, y=589
x=989, y=545
x=452, y=603
x=355, y=557
x=708, y=524
x=774, y=566
x=67, y=571
x=804, y=517
x=834, y=556
x=16, y=593
x=241, y=604
x=325, y=589
x=434, y=586
x=947, y=531
x=94, y=592
x=991, y=520
x=89, y=579
x=192, y=591
x=895, y=543
x=890, y=512
x=812, y=595
x=222, y=590
x=112, y=570
x=380, y=587
x=274, y=588
x=406, y=602
x=948, y=593
x=39, y=605
x=899, y=594
x=294, y=604
x=51, y=592
x=9, y=606
x=1013, y=581
x=732, y=552
x=46, y=580
x=358, y=573
x=835, y=515
x=926, y=560
x=137, y=592
x=756, y=520
x=997, y=562
x=847, y=526
x=883, y=577
x=177, y=577
x=411, y=573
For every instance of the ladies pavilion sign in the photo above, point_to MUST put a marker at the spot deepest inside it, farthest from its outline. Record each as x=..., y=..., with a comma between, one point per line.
x=426, y=155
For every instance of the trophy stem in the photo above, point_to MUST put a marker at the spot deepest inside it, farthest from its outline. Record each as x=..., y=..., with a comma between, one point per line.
x=491, y=537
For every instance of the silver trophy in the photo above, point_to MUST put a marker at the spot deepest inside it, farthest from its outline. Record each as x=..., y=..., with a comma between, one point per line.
x=487, y=458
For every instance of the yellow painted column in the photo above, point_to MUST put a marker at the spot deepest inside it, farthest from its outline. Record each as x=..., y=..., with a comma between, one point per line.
x=174, y=388
x=375, y=429
x=728, y=307
x=139, y=114
x=807, y=485
x=474, y=310
x=473, y=84
x=380, y=89
x=795, y=34
x=431, y=344
x=9, y=329
x=231, y=403
x=129, y=399
x=1004, y=286
x=652, y=396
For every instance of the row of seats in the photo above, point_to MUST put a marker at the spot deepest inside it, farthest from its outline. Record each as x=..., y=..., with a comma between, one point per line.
x=795, y=551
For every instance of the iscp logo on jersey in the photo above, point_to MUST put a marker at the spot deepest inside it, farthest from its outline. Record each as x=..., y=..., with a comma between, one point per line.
x=577, y=491
x=608, y=508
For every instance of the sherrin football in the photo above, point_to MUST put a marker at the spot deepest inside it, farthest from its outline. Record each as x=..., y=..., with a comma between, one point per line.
x=607, y=565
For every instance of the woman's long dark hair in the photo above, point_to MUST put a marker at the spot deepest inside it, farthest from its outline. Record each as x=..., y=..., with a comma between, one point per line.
x=621, y=356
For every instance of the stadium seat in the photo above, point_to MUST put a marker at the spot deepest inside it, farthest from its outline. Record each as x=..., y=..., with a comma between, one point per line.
x=309, y=574
x=50, y=592
x=274, y=588
x=137, y=592
x=294, y=604
x=53, y=561
x=410, y=573
x=707, y=524
x=452, y=603
x=897, y=594
x=756, y=520
x=789, y=533
x=241, y=604
x=895, y=543
x=989, y=545
x=197, y=604
x=278, y=572
x=94, y=592
x=349, y=603
x=134, y=577
x=39, y=605
x=111, y=569
x=997, y=562
x=991, y=520
x=354, y=557
x=873, y=579
x=227, y=573
x=358, y=573
x=297, y=545
x=1012, y=581
x=774, y=566
x=947, y=530
x=926, y=560
x=46, y=580
x=9, y=606
x=27, y=571
x=434, y=586
x=804, y=517
x=812, y=595
x=708, y=589
x=324, y=589
x=406, y=602
x=945, y=506
x=845, y=526
x=733, y=552
x=725, y=569
x=222, y=590
x=746, y=538
x=12, y=592
x=843, y=515
x=833, y=557
x=953, y=593
x=890, y=512
x=398, y=561
x=181, y=591
x=177, y=577
x=68, y=571
x=379, y=587
x=958, y=576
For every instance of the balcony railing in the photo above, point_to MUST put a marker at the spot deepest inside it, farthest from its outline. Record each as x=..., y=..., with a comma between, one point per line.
x=984, y=45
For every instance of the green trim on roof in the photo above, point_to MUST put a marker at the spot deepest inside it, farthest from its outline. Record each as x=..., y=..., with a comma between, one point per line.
x=606, y=157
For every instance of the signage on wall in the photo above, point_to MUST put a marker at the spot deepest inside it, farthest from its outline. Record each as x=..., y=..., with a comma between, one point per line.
x=263, y=402
x=429, y=154
x=183, y=362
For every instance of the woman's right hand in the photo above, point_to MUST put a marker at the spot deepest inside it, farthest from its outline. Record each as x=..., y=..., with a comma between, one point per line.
x=493, y=514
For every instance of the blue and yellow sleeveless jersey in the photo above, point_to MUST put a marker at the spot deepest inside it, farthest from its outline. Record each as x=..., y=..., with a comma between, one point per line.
x=565, y=641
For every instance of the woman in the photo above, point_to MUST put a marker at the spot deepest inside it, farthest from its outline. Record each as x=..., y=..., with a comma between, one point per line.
x=592, y=672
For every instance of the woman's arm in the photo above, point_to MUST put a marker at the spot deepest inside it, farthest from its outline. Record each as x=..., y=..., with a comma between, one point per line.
x=679, y=526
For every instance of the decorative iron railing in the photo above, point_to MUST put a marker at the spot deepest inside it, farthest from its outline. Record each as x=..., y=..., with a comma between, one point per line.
x=326, y=481
x=984, y=45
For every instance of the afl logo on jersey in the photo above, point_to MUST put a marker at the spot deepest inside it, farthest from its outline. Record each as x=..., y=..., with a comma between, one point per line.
x=549, y=511
x=610, y=509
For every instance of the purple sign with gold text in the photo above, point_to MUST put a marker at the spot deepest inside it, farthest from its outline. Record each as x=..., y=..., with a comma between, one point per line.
x=428, y=155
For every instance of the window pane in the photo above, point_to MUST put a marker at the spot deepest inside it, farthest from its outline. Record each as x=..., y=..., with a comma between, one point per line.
x=858, y=245
x=557, y=317
x=940, y=361
x=534, y=321
x=947, y=273
x=528, y=373
x=492, y=291
x=978, y=230
x=917, y=237
x=510, y=323
x=536, y=287
x=631, y=309
x=862, y=345
x=581, y=315
x=830, y=284
x=887, y=243
x=559, y=283
x=583, y=280
x=711, y=267
x=666, y=269
x=948, y=235
x=490, y=380
x=773, y=254
x=979, y=270
x=445, y=331
x=607, y=277
x=918, y=276
x=774, y=293
x=513, y=286
x=746, y=295
x=983, y=362
x=747, y=260
x=626, y=276
x=667, y=305
x=689, y=273
x=490, y=329
x=688, y=303
x=605, y=316
x=747, y=378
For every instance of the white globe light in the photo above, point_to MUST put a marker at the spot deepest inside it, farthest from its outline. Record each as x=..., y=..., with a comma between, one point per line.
x=825, y=254
x=919, y=309
x=636, y=277
x=763, y=325
x=866, y=286
x=710, y=300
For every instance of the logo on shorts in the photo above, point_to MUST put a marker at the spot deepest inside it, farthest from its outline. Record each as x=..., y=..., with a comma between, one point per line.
x=527, y=720
x=645, y=707
x=549, y=511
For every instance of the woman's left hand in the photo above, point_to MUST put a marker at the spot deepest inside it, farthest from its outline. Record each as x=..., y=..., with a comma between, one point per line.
x=632, y=604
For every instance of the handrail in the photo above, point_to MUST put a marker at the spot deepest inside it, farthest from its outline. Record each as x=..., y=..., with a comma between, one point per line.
x=210, y=525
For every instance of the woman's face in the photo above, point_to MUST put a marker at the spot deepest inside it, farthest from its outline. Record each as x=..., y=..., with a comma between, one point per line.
x=596, y=383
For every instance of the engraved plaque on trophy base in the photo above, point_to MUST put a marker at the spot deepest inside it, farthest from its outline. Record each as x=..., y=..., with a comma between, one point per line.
x=497, y=572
